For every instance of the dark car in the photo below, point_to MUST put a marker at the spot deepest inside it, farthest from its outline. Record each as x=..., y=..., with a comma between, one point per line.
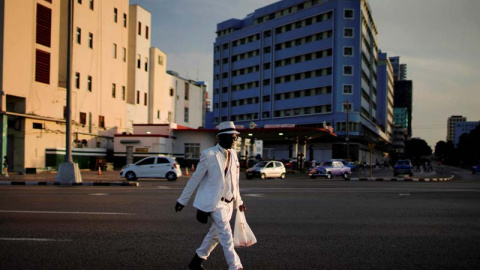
x=330, y=169
x=403, y=167
x=476, y=169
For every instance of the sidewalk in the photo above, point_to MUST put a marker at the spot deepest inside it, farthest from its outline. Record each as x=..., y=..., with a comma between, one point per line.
x=89, y=178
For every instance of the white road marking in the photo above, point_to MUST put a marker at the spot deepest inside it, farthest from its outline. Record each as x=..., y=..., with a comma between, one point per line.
x=98, y=194
x=404, y=194
x=255, y=195
x=61, y=212
x=164, y=187
x=36, y=239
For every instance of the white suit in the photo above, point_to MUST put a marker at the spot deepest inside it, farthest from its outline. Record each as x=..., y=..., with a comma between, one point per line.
x=209, y=177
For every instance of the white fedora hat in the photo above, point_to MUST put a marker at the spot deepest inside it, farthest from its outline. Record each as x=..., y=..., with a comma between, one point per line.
x=227, y=127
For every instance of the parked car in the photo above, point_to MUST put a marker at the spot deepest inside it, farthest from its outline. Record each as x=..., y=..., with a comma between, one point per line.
x=351, y=165
x=330, y=169
x=267, y=169
x=152, y=167
x=476, y=169
x=403, y=167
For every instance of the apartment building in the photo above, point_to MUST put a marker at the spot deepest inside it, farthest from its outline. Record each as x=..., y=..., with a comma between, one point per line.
x=452, y=120
x=111, y=80
x=303, y=63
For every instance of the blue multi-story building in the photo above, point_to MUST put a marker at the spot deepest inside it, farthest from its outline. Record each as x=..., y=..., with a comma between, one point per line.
x=302, y=62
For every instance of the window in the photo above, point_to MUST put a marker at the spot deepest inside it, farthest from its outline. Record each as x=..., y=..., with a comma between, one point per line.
x=44, y=25
x=114, y=90
x=42, y=67
x=171, y=92
x=138, y=97
x=348, y=89
x=160, y=60
x=192, y=150
x=185, y=118
x=89, y=83
x=139, y=62
x=124, y=54
x=91, y=4
x=79, y=2
x=348, y=13
x=79, y=35
x=114, y=51
x=158, y=114
x=139, y=28
x=145, y=99
x=83, y=118
x=115, y=14
x=77, y=80
x=64, y=112
x=146, y=64
x=348, y=32
x=146, y=32
x=125, y=20
x=90, y=40
x=123, y=92
x=347, y=51
x=347, y=70
x=101, y=121
x=147, y=161
x=187, y=90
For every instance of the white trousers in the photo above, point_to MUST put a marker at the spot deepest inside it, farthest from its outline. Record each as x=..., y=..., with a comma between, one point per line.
x=221, y=232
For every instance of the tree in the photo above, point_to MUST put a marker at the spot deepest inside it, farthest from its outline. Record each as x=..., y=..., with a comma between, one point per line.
x=469, y=147
x=417, y=148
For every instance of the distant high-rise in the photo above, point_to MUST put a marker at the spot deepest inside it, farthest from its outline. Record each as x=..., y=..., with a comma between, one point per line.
x=403, y=98
x=399, y=70
x=451, y=126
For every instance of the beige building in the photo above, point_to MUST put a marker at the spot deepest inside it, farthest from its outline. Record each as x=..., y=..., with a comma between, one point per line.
x=138, y=71
x=452, y=120
x=110, y=80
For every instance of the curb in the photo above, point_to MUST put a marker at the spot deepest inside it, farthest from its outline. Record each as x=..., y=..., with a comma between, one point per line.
x=440, y=179
x=98, y=183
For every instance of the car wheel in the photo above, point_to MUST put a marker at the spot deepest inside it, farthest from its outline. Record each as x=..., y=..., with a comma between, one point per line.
x=249, y=177
x=329, y=176
x=282, y=176
x=171, y=176
x=263, y=176
x=131, y=176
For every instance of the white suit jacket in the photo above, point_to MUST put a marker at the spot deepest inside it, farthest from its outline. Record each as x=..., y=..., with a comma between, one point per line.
x=209, y=177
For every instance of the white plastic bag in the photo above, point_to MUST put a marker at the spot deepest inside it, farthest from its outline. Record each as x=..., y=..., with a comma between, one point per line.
x=242, y=234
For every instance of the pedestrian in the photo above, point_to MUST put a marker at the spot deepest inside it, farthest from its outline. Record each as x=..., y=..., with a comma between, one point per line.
x=217, y=178
x=5, y=166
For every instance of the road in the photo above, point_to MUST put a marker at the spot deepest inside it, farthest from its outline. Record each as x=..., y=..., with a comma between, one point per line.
x=299, y=223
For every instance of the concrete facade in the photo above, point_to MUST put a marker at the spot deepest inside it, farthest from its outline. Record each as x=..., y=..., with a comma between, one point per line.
x=452, y=120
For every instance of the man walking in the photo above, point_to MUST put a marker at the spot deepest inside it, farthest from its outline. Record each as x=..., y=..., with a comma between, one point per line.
x=217, y=178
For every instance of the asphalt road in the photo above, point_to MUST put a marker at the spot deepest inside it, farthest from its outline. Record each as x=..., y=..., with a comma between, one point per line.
x=299, y=223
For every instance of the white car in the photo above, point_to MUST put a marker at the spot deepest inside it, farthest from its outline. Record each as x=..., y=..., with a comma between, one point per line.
x=267, y=169
x=152, y=167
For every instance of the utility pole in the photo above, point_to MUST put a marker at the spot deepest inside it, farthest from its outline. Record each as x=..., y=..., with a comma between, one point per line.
x=348, y=130
x=68, y=171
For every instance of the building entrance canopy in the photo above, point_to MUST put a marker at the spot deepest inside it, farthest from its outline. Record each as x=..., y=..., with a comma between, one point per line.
x=286, y=133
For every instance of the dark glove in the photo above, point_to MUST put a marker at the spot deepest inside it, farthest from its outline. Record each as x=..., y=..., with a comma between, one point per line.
x=178, y=207
x=242, y=208
x=202, y=217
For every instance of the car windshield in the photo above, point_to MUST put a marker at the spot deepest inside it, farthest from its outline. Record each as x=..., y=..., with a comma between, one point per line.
x=261, y=164
x=328, y=163
x=403, y=162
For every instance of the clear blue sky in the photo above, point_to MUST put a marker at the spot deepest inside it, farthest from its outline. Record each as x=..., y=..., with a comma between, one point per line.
x=437, y=39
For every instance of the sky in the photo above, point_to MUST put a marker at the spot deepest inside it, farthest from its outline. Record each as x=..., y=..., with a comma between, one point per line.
x=437, y=39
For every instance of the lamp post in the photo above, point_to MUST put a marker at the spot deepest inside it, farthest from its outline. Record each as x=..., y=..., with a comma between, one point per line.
x=68, y=171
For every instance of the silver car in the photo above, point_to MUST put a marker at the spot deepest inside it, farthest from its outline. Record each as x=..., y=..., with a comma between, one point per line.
x=267, y=169
x=152, y=167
